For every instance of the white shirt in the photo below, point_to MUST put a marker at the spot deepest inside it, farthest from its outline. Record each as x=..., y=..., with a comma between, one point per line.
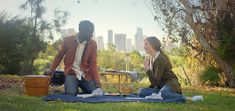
x=152, y=59
x=77, y=60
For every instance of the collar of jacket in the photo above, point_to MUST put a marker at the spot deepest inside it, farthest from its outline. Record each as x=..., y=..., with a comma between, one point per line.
x=85, y=42
x=155, y=57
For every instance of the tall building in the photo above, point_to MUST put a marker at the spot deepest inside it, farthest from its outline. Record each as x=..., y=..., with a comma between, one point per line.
x=71, y=31
x=139, y=41
x=110, y=36
x=128, y=45
x=68, y=32
x=100, y=42
x=64, y=33
x=120, y=42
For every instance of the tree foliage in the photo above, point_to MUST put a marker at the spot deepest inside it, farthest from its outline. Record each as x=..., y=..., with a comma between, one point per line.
x=42, y=29
x=44, y=59
x=111, y=59
x=207, y=26
x=24, y=38
x=15, y=34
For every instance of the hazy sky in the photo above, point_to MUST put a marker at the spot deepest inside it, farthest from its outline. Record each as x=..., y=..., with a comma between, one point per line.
x=122, y=16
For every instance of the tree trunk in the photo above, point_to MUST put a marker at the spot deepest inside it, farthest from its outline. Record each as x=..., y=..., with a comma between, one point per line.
x=186, y=75
x=27, y=67
x=221, y=4
x=225, y=66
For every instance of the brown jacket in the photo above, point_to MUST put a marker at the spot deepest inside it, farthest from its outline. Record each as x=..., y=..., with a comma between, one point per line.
x=88, y=62
x=162, y=74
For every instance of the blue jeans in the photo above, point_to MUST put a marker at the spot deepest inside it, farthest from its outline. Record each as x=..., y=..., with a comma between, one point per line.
x=72, y=84
x=166, y=92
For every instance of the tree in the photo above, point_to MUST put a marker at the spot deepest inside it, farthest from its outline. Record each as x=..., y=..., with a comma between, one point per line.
x=14, y=34
x=113, y=60
x=110, y=58
x=41, y=30
x=210, y=22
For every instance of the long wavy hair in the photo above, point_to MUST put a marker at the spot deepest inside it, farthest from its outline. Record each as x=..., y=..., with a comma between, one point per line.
x=156, y=44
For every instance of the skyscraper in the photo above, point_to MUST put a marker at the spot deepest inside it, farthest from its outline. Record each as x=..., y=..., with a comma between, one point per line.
x=71, y=31
x=128, y=45
x=100, y=42
x=110, y=36
x=120, y=42
x=68, y=32
x=64, y=33
x=139, y=41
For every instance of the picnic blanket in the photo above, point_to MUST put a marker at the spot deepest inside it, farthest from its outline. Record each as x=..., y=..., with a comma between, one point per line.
x=107, y=98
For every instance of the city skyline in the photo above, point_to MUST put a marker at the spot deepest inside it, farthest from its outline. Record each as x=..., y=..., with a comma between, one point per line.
x=113, y=38
x=137, y=38
x=121, y=16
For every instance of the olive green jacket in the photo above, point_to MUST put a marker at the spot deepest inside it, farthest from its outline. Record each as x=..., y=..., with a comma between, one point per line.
x=162, y=74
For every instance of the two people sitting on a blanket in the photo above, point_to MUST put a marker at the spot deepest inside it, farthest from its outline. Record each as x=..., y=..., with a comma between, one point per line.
x=164, y=83
x=80, y=51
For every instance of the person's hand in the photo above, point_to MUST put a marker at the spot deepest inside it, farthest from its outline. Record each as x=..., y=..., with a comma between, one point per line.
x=146, y=64
x=49, y=73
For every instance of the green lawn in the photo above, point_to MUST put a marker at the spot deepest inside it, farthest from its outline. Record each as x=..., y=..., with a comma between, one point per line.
x=215, y=99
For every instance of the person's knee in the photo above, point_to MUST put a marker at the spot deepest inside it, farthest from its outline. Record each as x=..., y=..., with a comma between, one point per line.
x=165, y=88
x=88, y=86
x=169, y=94
x=70, y=89
x=71, y=85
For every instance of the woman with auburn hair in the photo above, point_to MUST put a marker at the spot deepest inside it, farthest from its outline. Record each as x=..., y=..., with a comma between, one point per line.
x=164, y=82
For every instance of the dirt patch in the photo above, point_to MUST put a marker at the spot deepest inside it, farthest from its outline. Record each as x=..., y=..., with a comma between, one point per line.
x=9, y=81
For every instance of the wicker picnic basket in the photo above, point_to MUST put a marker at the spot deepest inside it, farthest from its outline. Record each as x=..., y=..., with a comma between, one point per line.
x=36, y=85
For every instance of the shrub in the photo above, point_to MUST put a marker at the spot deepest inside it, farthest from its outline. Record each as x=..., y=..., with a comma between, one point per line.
x=210, y=76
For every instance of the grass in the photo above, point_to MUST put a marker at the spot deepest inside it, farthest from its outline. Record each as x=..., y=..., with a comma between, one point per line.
x=213, y=102
x=215, y=99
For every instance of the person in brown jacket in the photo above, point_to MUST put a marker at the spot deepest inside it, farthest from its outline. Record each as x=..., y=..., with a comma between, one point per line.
x=79, y=53
x=164, y=82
